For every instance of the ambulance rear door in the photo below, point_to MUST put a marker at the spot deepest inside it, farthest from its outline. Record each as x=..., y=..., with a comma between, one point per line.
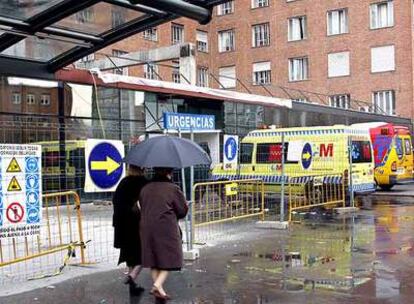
x=362, y=165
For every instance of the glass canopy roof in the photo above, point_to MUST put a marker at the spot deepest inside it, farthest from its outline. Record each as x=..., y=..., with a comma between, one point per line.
x=51, y=34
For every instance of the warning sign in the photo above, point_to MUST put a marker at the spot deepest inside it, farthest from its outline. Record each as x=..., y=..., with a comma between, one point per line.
x=14, y=166
x=20, y=190
x=14, y=185
x=15, y=213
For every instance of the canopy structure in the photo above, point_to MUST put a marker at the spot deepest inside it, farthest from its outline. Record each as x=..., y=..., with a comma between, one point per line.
x=39, y=37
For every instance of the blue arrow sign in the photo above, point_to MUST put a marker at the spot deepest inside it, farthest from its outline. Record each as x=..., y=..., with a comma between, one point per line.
x=306, y=156
x=105, y=165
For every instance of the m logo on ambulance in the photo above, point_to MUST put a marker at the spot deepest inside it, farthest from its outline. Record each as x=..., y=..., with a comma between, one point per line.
x=326, y=151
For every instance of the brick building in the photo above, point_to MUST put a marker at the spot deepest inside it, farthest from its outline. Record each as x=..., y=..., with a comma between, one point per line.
x=34, y=105
x=346, y=50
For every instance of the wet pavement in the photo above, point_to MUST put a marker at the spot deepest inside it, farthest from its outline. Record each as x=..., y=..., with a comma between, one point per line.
x=398, y=190
x=365, y=258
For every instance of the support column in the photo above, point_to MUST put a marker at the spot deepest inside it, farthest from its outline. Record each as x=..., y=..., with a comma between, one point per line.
x=62, y=136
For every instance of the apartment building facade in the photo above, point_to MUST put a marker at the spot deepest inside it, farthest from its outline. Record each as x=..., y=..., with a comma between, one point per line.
x=345, y=50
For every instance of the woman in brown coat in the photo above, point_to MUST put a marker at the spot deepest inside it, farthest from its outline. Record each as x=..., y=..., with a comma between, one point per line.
x=162, y=205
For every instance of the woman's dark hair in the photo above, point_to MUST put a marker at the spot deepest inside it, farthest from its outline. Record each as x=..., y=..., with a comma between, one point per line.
x=135, y=170
x=163, y=171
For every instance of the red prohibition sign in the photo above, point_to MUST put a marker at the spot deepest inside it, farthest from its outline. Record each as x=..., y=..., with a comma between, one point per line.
x=15, y=212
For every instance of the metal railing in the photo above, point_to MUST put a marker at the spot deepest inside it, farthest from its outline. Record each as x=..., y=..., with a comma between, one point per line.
x=61, y=232
x=216, y=204
x=309, y=192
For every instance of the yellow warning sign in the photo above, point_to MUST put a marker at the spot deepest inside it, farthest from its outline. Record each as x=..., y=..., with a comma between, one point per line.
x=14, y=185
x=13, y=166
x=231, y=189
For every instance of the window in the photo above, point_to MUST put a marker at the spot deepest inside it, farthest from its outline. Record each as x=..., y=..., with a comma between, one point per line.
x=177, y=33
x=261, y=73
x=118, y=18
x=337, y=22
x=399, y=147
x=45, y=100
x=176, y=77
x=246, y=153
x=202, y=77
x=408, y=149
x=16, y=98
x=340, y=101
x=382, y=59
x=88, y=58
x=151, y=34
x=226, y=41
x=85, y=16
x=150, y=71
x=338, y=64
x=298, y=69
x=271, y=153
x=225, y=8
x=260, y=3
x=260, y=35
x=202, y=41
x=384, y=101
x=361, y=152
x=30, y=99
x=297, y=28
x=382, y=14
x=300, y=99
x=120, y=71
x=368, y=109
x=227, y=77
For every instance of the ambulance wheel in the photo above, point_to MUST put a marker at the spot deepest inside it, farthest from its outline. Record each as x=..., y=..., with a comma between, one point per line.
x=386, y=187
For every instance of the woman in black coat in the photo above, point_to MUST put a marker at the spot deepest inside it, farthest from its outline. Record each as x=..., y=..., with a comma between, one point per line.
x=126, y=223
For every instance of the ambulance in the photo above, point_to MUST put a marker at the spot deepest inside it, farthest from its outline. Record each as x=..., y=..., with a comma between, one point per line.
x=308, y=151
x=393, y=155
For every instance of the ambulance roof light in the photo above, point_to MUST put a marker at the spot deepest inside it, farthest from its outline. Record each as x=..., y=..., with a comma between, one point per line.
x=384, y=131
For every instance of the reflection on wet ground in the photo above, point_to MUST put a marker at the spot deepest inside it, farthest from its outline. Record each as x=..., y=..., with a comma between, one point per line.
x=366, y=258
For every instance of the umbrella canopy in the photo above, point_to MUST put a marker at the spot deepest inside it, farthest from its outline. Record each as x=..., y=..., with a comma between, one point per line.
x=167, y=151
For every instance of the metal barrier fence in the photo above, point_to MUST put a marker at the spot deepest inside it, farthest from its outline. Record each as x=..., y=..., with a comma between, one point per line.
x=217, y=205
x=316, y=191
x=61, y=233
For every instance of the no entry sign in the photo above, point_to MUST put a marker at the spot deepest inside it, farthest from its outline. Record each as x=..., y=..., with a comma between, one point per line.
x=15, y=213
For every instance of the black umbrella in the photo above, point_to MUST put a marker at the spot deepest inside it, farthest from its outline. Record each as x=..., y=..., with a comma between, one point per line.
x=167, y=151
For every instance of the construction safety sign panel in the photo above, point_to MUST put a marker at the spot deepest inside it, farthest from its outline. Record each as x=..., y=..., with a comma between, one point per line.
x=104, y=167
x=20, y=190
x=230, y=151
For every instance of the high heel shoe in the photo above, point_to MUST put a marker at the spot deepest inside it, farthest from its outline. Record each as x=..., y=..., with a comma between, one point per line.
x=156, y=292
x=129, y=280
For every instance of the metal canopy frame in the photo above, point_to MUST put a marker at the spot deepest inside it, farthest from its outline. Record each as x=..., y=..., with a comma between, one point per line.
x=44, y=25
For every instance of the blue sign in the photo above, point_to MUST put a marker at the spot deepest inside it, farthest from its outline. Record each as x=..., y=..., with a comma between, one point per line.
x=1, y=210
x=188, y=122
x=32, y=182
x=33, y=215
x=32, y=198
x=105, y=165
x=230, y=148
x=32, y=164
x=306, y=156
